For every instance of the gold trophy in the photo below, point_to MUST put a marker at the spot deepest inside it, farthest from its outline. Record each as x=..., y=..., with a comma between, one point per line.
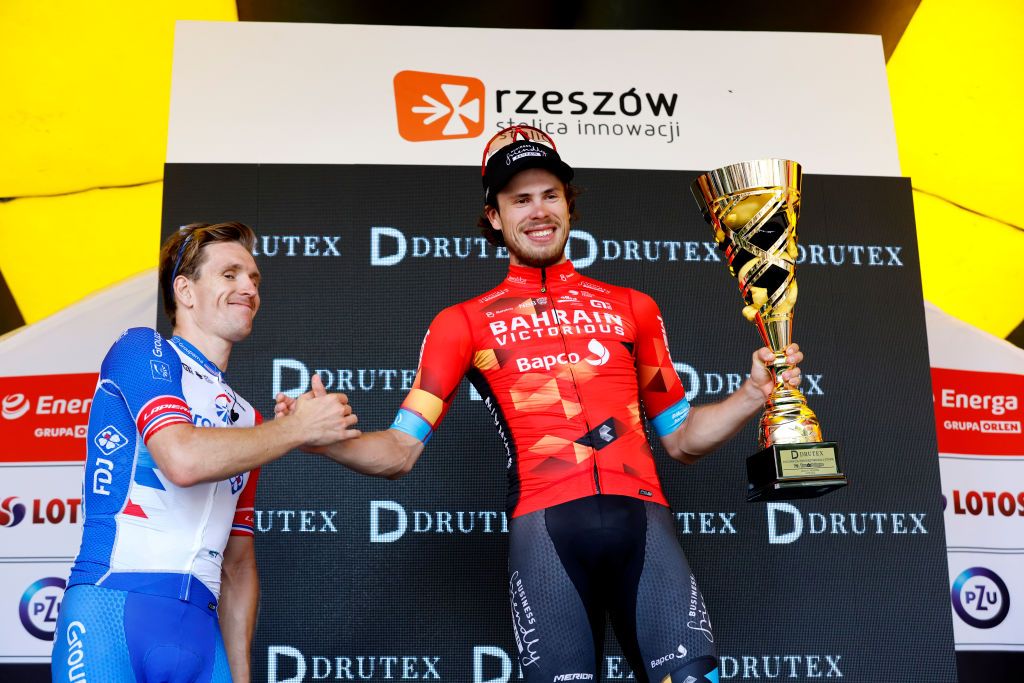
x=753, y=207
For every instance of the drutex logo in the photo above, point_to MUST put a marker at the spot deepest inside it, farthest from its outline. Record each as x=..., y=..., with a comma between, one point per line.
x=438, y=106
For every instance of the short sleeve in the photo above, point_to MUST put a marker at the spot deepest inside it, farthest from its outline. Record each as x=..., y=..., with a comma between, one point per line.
x=661, y=391
x=444, y=359
x=142, y=367
x=245, y=509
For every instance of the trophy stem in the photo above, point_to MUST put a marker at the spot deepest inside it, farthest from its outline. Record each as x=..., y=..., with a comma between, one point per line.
x=787, y=418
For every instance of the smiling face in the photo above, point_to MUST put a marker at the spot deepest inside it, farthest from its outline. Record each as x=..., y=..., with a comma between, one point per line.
x=223, y=298
x=533, y=217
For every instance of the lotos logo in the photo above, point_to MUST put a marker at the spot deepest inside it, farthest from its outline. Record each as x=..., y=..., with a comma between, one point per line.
x=438, y=106
x=11, y=513
x=14, y=406
x=53, y=511
x=980, y=597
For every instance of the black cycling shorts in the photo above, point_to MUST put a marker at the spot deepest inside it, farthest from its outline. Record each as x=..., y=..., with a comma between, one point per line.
x=571, y=564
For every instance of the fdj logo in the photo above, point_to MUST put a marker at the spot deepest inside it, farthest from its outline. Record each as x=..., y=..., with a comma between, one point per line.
x=109, y=439
x=980, y=597
x=39, y=606
x=438, y=106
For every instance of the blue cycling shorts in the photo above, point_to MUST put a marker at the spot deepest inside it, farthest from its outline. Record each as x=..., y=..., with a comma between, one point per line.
x=117, y=636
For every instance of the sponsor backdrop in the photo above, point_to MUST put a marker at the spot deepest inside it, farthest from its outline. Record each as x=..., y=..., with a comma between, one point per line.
x=407, y=579
x=978, y=417
x=353, y=157
x=47, y=376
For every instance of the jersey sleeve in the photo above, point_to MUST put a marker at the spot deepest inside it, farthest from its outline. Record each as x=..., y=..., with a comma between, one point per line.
x=245, y=509
x=142, y=367
x=444, y=358
x=661, y=391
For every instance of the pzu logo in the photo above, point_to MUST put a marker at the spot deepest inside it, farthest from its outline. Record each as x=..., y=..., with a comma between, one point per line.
x=40, y=604
x=980, y=597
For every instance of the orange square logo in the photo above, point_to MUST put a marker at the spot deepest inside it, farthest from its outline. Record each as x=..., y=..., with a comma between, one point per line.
x=438, y=106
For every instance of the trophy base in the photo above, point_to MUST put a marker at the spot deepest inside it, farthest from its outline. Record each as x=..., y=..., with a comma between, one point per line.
x=794, y=470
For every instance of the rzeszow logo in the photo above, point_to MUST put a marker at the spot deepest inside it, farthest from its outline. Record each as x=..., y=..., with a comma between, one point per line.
x=438, y=106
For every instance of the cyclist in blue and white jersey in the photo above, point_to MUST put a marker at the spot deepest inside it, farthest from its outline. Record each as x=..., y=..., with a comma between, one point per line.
x=165, y=586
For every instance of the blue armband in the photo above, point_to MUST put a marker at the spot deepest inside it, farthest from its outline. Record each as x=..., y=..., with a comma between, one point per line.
x=412, y=424
x=671, y=418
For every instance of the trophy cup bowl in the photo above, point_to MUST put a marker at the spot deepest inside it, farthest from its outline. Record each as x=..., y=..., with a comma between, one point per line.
x=753, y=208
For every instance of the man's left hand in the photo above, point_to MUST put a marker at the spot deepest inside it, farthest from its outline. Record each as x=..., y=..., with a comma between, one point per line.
x=761, y=378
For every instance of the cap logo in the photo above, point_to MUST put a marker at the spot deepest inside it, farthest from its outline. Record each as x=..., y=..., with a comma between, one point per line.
x=525, y=151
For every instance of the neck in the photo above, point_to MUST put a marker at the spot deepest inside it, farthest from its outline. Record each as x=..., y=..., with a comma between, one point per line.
x=515, y=261
x=562, y=271
x=216, y=349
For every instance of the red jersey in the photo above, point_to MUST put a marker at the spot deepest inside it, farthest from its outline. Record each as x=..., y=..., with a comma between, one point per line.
x=568, y=367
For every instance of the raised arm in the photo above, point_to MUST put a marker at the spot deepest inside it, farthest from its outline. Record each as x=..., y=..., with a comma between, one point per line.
x=188, y=455
x=444, y=358
x=710, y=426
x=142, y=370
x=686, y=432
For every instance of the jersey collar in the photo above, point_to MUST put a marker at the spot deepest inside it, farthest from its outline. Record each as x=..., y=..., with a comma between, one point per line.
x=525, y=276
x=197, y=355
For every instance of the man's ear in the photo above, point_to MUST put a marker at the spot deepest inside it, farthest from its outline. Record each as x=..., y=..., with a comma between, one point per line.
x=493, y=217
x=183, y=291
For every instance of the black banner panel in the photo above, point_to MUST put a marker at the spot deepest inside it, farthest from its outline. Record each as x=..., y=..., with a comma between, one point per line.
x=375, y=580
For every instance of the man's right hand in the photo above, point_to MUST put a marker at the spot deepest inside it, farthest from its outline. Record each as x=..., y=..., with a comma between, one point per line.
x=324, y=418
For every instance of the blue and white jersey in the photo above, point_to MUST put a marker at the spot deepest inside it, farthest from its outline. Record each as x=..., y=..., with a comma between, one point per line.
x=141, y=532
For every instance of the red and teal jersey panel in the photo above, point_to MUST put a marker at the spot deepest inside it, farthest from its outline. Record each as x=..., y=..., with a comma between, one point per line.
x=568, y=367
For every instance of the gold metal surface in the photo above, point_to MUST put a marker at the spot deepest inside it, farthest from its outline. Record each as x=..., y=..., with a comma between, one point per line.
x=753, y=208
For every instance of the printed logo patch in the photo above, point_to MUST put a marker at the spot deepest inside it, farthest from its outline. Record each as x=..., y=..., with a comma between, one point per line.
x=160, y=370
x=438, y=106
x=109, y=439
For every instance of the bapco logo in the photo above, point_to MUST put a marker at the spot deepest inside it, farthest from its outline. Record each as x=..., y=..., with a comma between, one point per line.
x=11, y=512
x=602, y=354
x=980, y=597
x=14, y=406
x=438, y=106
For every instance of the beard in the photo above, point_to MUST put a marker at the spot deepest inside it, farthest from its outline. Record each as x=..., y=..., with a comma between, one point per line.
x=538, y=257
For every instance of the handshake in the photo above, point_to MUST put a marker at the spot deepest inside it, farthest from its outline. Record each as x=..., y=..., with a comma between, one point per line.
x=321, y=419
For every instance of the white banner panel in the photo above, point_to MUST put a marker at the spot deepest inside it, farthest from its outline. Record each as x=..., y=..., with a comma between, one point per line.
x=985, y=617
x=613, y=99
x=984, y=502
x=30, y=596
x=40, y=511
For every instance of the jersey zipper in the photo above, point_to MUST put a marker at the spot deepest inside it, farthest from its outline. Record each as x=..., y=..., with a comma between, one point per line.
x=575, y=386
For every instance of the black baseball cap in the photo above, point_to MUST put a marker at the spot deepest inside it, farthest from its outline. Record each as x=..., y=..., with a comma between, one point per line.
x=517, y=149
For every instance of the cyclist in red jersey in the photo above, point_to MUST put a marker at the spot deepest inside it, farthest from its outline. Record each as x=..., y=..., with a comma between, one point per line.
x=570, y=368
